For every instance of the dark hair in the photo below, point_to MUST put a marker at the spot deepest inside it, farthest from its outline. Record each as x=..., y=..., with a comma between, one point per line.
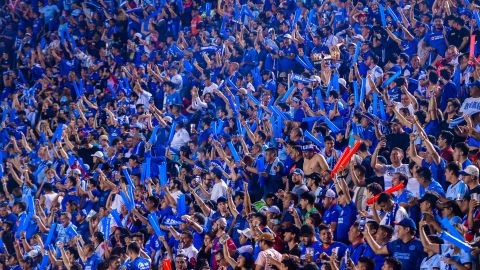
x=447, y=135
x=388, y=229
x=403, y=179
x=394, y=263
x=384, y=198
x=154, y=200
x=262, y=217
x=424, y=173
x=309, y=197
x=369, y=263
x=309, y=230
x=454, y=168
x=375, y=188
x=22, y=205
x=134, y=247
x=462, y=147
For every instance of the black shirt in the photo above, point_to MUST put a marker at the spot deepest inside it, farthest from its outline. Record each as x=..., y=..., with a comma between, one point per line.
x=455, y=37
x=401, y=140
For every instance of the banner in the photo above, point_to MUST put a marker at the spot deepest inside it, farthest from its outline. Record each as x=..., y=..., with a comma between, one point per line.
x=470, y=106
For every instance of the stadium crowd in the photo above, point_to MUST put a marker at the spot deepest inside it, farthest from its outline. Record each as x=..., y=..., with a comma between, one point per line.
x=240, y=134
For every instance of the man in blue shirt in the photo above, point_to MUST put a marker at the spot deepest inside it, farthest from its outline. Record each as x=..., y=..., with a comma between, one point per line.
x=136, y=262
x=332, y=210
x=406, y=248
x=424, y=177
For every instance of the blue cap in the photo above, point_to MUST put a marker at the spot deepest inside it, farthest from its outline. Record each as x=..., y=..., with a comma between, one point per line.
x=298, y=171
x=407, y=223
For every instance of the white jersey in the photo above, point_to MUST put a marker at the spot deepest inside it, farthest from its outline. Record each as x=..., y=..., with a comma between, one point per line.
x=429, y=263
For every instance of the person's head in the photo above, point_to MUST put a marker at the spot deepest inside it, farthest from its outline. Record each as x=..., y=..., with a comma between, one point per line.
x=291, y=233
x=133, y=250
x=399, y=178
x=452, y=172
x=307, y=199
x=181, y=262
x=329, y=142
x=326, y=236
x=460, y=152
x=114, y=262
x=470, y=175
x=354, y=233
x=187, y=238
x=391, y=263
x=152, y=203
x=297, y=177
x=428, y=202
x=396, y=156
x=329, y=198
x=266, y=241
x=220, y=225
x=424, y=176
x=385, y=202
x=384, y=233
x=365, y=263
x=65, y=218
x=406, y=229
x=307, y=234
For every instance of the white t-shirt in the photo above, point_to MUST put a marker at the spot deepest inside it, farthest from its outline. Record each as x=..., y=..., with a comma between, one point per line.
x=190, y=252
x=219, y=190
x=400, y=214
x=262, y=258
x=414, y=187
x=429, y=263
x=180, y=139
x=144, y=98
x=209, y=89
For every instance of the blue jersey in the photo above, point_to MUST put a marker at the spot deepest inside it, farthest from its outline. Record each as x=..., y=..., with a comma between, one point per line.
x=139, y=264
x=434, y=186
x=437, y=41
x=410, y=254
x=332, y=214
x=346, y=218
x=92, y=262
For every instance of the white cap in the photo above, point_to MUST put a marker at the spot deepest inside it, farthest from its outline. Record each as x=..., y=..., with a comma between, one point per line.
x=77, y=171
x=330, y=194
x=274, y=209
x=342, y=82
x=98, y=154
x=246, y=232
x=470, y=170
x=288, y=36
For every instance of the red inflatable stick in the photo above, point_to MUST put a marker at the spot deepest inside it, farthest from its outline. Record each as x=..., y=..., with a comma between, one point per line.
x=167, y=265
x=342, y=157
x=350, y=155
x=389, y=191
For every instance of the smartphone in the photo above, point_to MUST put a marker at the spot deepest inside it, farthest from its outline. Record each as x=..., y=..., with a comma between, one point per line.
x=361, y=224
x=347, y=256
x=290, y=207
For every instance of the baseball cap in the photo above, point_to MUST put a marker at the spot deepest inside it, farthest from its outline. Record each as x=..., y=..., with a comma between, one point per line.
x=470, y=170
x=98, y=154
x=298, y=171
x=266, y=237
x=246, y=232
x=407, y=223
x=330, y=193
x=274, y=209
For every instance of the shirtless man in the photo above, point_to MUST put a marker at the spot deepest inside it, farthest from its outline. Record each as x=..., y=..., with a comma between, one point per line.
x=313, y=161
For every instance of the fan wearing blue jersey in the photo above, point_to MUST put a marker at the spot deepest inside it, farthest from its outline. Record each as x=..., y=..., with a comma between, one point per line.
x=136, y=262
x=406, y=248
